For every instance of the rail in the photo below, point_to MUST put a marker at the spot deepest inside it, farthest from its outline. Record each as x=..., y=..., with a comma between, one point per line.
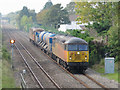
x=80, y=81
x=36, y=64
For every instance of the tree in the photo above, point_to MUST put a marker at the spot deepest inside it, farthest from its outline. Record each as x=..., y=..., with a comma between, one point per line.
x=0, y=15
x=24, y=11
x=70, y=8
x=100, y=13
x=33, y=15
x=22, y=16
x=53, y=16
x=113, y=42
x=41, y=17
x=26, y=22
x=57, y=15
x=104, y=16
x=48, y=5
x=12, y=16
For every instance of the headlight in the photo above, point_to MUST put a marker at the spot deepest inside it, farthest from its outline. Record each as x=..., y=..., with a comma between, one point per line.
x=85, y=58
x=78, y=52
x=70, y=58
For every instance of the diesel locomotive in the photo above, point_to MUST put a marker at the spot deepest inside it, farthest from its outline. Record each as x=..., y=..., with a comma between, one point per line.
x=70, y=52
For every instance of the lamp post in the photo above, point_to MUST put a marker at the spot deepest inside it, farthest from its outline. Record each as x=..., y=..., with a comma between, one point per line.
x=12, y=45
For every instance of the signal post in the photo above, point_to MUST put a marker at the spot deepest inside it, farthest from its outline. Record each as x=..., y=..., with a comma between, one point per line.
x=12, y=45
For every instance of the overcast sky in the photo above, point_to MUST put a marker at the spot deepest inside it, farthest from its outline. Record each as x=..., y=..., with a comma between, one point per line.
x=7, y=6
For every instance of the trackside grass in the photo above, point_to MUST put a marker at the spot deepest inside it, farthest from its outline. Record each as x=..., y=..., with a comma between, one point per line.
x=0, y=74
x=100, y=68
x=0, y=58
x=7, y=73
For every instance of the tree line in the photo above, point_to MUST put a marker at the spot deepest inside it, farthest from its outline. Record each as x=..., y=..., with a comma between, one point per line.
x=50, y=16
x=103, y=15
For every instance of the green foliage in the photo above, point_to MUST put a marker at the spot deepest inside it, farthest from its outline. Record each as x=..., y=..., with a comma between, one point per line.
x=0, y=58
x=100, y=13
x=48, y=5
x=24, y=11
x=53, y=16
x=113, y=42
x=13, y=17
x=26, y=22
x=7, y=76
x=41, y=17
x=97, y=52
x=101, y=27
x=32, y=14
x=104, y=16
x=77, y=33
x=101, y=69
x=5, y=54
x=26, y=18
x=70, y=8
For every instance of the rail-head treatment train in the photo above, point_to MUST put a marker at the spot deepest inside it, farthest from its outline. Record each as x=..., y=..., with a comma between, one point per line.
x=68, y=51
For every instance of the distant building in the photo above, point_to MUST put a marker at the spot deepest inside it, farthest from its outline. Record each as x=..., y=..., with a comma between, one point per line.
x=74, y=24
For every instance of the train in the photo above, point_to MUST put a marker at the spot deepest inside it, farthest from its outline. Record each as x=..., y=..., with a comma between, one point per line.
x=69, y=51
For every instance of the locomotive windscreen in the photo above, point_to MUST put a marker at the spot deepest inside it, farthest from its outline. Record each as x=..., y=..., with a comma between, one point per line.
x=83, y=47
x=77, y=47
x=72, y=47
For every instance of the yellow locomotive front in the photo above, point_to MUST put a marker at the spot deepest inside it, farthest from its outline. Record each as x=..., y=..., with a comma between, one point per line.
x=77, y=53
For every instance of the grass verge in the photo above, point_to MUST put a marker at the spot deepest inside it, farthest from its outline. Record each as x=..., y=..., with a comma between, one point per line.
x=0, y=58
x=0, y=74
x=100, y=68
x=7, y=73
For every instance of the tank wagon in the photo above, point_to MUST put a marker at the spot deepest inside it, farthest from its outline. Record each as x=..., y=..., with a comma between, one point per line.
x=69, y=51
x=34, y=34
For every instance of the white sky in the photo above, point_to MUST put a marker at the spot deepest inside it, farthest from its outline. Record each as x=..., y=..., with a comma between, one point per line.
x=7, y=6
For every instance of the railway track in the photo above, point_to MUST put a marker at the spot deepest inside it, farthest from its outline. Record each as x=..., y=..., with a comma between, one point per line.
x=26, y=63
x=29, y=67
x=81, y=82
x=76, y=78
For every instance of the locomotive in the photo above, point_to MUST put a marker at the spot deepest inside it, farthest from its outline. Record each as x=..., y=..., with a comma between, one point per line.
x=70, y=52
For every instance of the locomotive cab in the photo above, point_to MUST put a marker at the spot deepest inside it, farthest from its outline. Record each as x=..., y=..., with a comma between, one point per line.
x=72, y=51
x=77, y=53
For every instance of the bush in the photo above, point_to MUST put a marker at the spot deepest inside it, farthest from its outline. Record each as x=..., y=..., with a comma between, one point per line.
x=5, y=54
